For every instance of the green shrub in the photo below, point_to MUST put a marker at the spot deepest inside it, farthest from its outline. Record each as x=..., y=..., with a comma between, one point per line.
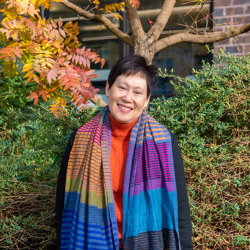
x=211, y=117
x=31, y=146
x=32, y=142
x=14, y=93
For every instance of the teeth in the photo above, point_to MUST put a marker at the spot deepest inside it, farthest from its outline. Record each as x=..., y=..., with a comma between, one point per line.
x=124, y=108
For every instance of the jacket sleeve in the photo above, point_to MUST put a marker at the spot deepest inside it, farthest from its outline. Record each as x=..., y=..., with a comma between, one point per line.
x=61, y=189
x=185, y=227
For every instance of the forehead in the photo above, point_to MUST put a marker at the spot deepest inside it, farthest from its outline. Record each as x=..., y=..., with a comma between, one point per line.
x=139, y=74
x=137, y=80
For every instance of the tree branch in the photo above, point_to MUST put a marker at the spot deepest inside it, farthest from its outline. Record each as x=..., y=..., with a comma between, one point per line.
x=206, y=38
x=134, y=20
x=102, y=19
x=162, y=19
x=97, y=100
x=192, y=26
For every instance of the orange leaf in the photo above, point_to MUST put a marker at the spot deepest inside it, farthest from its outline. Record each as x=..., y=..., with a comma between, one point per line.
x=97, y=60
x=36, y=101
x=7, y=58
x=51, y=75
x=17, y=52
x=53, y=23
x=44, y=96
x=28, y=74
x=102, y=63
x=62, y=32
x=68, y=40
x=67, y=86
x=29, y=79
x=60, y=22
x=4, y=30
x=36, y=78
x=33, y=95
x=13, y=56
x=75, y=26
x=5, y=50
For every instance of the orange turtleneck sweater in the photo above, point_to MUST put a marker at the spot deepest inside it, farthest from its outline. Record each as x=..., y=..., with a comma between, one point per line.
x=119, y=149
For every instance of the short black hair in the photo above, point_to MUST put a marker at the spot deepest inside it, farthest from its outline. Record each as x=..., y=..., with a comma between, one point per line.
x=132, y=65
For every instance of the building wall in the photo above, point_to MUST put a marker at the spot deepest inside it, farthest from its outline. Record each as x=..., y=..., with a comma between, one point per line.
x=228, y=13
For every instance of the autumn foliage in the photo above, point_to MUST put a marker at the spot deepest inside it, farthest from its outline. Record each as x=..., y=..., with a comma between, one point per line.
x=48, y=52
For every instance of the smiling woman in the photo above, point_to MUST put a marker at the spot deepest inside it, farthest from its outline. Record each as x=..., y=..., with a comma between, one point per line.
x=127, y=97
x=122, y=182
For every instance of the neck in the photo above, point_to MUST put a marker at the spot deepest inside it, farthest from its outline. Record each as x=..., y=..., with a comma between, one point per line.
x=121, y=129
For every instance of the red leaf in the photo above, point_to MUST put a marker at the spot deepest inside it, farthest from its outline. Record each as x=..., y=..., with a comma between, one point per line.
x=62, y=32
x=84, y=61
x=90, y=72
x=77, y=59
x=93, y=76
x=88, y=63
x=51, y=75
x=33, y=95
x=82, y=51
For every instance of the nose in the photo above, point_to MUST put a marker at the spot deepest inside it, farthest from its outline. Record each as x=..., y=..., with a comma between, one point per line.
x=127, y=96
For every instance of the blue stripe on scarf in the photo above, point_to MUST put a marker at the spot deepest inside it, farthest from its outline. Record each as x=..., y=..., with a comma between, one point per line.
x=157, y=212
x=85, y=235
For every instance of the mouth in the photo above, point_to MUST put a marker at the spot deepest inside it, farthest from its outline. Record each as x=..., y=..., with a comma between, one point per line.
x=124, y=108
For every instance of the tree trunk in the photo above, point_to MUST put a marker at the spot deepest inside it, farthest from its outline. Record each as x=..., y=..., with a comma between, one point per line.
x=145, y=48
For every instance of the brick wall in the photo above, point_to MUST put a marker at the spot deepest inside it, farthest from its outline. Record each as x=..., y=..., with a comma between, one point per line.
x=228, y=13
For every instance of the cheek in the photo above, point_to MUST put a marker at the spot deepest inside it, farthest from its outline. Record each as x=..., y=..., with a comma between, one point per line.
x=112, y=100
x=142, y=103
x=115, y=96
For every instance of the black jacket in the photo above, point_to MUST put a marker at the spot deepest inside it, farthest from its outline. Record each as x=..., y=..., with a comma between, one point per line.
x=185, y=228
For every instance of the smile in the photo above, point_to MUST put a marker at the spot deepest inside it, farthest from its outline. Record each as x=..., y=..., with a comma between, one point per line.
x=124, y=108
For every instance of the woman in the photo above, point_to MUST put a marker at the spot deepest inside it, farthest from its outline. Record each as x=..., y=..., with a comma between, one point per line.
x=121, y=182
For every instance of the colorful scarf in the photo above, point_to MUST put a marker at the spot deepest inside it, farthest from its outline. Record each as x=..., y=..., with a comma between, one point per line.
x=150, y=211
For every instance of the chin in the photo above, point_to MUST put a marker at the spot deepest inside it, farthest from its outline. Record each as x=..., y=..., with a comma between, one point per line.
x=123, y=120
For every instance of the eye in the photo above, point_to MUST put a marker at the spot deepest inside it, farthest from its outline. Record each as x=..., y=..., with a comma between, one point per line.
x=121, y=87
x=137, y=92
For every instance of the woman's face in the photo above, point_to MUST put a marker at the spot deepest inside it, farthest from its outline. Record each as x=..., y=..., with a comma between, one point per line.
x=127, y=97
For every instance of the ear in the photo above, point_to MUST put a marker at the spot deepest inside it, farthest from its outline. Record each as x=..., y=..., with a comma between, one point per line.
x=107, y=89
x=146, y=102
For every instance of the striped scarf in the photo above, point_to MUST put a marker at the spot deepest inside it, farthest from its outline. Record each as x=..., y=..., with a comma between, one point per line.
x=150, y=211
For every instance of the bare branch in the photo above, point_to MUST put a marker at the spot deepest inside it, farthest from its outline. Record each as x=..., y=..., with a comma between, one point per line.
x=134, y=21
x=197, y=16
x=97, y=100
x=102, y=19
x=206, y=38
x=162, y=19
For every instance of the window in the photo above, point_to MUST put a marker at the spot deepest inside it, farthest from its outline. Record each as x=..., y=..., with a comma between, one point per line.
x=181, y=57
